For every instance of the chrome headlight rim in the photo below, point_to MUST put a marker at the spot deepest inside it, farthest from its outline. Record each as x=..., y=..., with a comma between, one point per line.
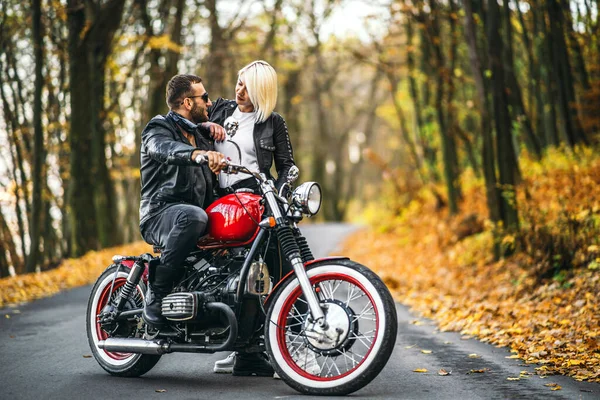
x=302, y=197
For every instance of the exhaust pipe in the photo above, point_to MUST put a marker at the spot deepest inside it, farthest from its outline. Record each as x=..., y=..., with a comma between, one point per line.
x=133, y=345
x=162, y=346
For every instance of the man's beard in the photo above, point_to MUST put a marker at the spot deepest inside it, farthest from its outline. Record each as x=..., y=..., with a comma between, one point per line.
x=198, y=114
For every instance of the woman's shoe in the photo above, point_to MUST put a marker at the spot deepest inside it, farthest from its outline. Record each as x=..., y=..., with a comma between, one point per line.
x=225, y=366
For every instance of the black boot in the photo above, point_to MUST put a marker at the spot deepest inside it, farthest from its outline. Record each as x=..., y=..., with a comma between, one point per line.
x=247, y=364
x=160, y=283
x=153, y=307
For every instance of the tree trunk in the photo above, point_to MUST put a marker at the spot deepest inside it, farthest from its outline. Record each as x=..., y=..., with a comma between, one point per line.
x=321, y=145
x=545, y=57
x=163, y=63
x=369, y=132
x=217, y=52
x=8, y=244
x=424, y=149
x=291, y=89
x=580, y=67
x=39, y=153
x=51, y=242
x=451, y=121
x=448, y=141
x=488, y=157
x=561, y=69
x=412, y=148
x=535, y=88
x=515, y=96
x=91, y=194
x=507, y=163
x=17, y=162
x=268, y=47
x=81, y=210
x=55, y=107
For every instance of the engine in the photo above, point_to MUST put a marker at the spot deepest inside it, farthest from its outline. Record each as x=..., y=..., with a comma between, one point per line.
x=182, y=306
x=211, y=283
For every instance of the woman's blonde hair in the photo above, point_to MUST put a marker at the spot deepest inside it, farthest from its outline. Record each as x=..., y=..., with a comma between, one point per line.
x=261, y=83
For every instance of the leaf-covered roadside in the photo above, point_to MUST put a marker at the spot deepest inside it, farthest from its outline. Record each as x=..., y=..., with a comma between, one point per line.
x=543, y=309
x=70, y=273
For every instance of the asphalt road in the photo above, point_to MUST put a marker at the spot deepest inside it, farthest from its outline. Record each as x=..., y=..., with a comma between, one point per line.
x=44, y=354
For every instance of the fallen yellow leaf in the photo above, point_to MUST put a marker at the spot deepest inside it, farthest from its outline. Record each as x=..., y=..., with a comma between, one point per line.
x=474, y=355
x=513, y=356
x=426, y=351
x=510, y=378
x=477, y=371
x=420, y=370
x=160, y=390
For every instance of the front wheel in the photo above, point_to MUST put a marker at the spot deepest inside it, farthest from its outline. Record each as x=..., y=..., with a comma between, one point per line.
x=104, y=293
x=355, y=345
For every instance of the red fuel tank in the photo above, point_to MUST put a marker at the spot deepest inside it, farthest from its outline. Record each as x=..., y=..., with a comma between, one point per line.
x=232, y=220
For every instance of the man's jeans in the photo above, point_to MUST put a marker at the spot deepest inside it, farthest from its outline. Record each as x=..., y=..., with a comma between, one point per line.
x=176, y=229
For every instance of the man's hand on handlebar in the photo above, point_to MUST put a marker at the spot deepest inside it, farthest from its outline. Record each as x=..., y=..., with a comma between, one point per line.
x=216, y=161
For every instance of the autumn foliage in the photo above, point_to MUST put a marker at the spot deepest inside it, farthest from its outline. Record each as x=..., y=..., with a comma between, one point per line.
x=71, y=273
x=542, y=301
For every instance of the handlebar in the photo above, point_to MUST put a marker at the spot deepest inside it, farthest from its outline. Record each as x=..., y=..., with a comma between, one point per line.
x=229, y=168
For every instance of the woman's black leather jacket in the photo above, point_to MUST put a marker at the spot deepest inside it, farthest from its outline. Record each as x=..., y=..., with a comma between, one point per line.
x=271, y=139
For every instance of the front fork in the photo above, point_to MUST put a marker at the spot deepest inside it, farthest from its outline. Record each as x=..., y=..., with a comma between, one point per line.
x=311, y=297
x=292, y=252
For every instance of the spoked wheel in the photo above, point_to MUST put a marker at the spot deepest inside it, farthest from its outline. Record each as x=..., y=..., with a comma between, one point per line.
x=352, y=349
x=104, y=294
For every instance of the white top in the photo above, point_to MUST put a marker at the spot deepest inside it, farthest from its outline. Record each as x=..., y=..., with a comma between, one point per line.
x=244, y=138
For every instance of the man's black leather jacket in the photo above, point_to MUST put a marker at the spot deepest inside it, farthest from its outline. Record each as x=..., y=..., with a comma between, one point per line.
x=167, y=171
x=271, y=139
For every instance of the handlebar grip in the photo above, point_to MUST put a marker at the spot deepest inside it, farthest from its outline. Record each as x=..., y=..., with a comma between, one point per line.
x=201, y=159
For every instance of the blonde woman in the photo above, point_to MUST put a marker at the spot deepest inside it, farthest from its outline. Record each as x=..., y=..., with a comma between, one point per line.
x=255, y=133
x=256, y=137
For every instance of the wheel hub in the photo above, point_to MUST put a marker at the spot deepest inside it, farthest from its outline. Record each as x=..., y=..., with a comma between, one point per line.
x=335, y=331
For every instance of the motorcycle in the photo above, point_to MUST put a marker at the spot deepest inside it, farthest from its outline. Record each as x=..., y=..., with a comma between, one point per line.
x=328, y=327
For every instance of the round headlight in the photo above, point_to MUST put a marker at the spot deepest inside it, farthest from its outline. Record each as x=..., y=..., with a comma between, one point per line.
x=308, y=197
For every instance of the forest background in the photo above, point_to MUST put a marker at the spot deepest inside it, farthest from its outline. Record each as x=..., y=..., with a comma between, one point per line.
x=402, y=96
x=464, y=132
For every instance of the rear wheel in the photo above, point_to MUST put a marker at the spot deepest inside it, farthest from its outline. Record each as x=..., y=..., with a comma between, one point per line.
x=104, y=294
x=354, y=347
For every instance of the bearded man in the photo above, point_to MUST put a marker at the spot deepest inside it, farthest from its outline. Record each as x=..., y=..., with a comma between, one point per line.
x=175, y=187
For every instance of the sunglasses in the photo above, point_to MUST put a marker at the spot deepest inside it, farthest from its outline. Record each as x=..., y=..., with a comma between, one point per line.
x=203, y=96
